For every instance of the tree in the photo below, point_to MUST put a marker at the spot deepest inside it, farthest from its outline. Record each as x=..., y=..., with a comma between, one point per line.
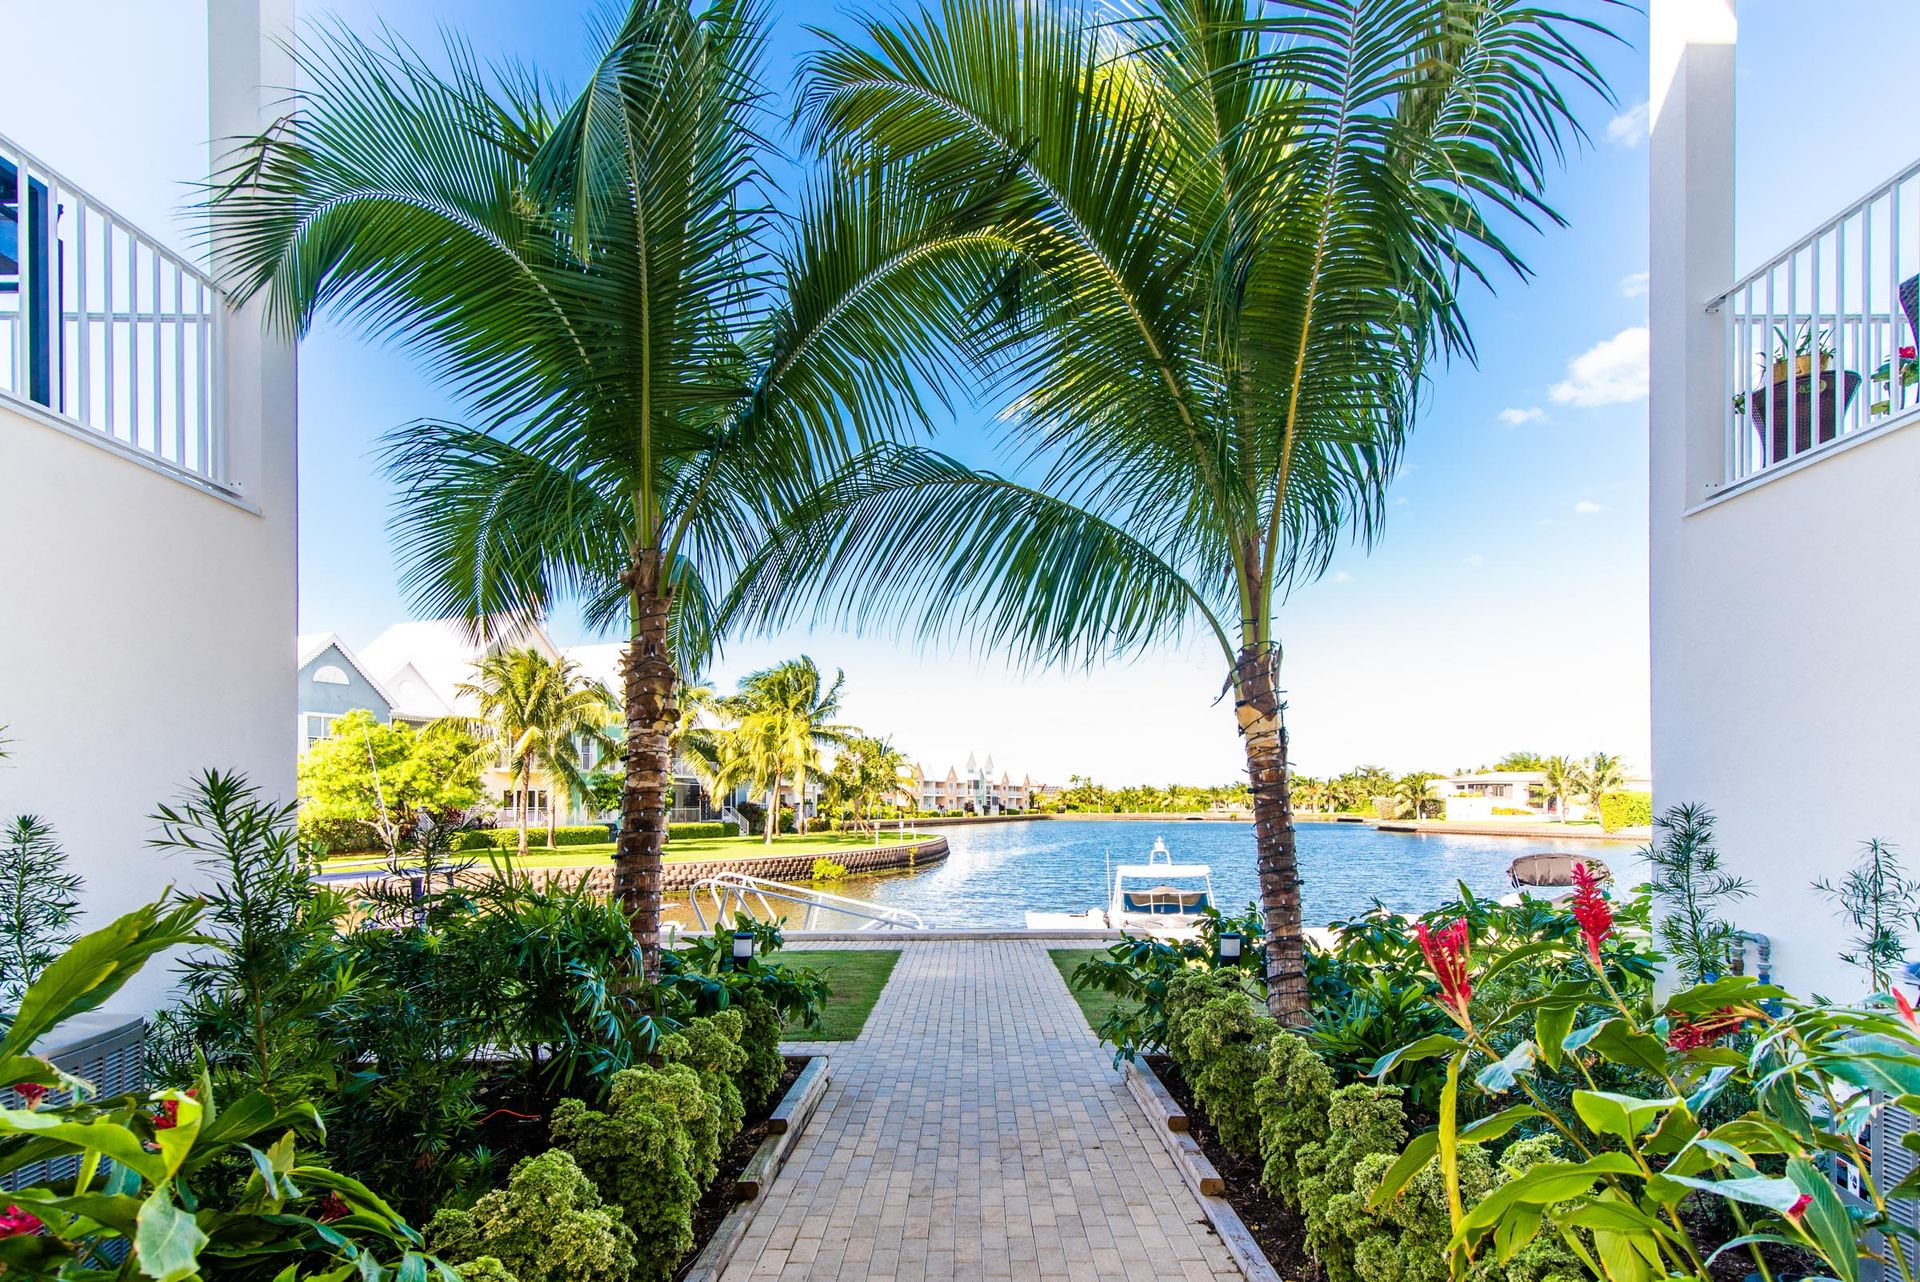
x=1597, y=776
x=785, y=716
x=363, y=784
x=1521, y=762
x=537, y=712
x=1562, y=781
x=865, y=776
x=39, y=903
x=652, y=363
x=1415, y=791
x=1239, y=236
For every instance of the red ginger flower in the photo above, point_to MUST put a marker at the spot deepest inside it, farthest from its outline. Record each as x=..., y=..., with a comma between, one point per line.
x=332, y=1207
x=15, y=1222
x=31, y=1092
x=169, y=1115
x=1798, y=1210
x=1690, y=1034
x=1906, y=353
x=1906, y=1009
x=1591, y=910
x=1446, y=954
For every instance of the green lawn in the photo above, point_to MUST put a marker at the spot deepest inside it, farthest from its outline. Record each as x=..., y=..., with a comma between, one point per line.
x=1094, y=1004
x=856, y=976
x=680, y=849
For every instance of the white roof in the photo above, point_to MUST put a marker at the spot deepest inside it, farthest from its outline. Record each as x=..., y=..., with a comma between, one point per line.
x=309, y=646
x=424, y=663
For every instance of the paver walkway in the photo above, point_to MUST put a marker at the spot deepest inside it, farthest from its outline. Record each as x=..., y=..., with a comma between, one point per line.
x=976, y=1130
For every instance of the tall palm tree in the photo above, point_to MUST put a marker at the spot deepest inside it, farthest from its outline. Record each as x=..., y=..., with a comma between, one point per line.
x=1599, y=775
x=866, y=775
x=1241, y=234
x=786, y=715
x=651, y=362
x=1562, y=781
x=537, y=712
x=1415, y=789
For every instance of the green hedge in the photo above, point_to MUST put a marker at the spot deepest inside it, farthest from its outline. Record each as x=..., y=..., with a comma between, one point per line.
x=509, y=838
x=693, y=831
x=1626, y=810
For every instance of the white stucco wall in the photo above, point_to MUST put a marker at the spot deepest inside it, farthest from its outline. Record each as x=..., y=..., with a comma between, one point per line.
x=146, y=625
x=1783, y=616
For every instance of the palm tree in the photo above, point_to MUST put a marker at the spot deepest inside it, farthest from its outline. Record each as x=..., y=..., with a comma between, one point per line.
x=1415, y=789
x=1240, y=238
x=1562, y=781
x=785, y=717
x=1599, y=775
x=651, y=362
x=538, y=712
x=865, y=776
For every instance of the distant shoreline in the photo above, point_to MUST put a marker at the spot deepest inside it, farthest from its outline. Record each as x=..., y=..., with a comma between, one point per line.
x=1418, y=828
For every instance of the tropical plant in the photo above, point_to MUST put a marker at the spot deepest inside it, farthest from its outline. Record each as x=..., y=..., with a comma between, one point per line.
x=784, y=717
x=549, y=1224
x=1691, y=887
x=1144, y=972
x=1562, y=782
x=1237, y=235
x=1415, y=791
x=1880, y=902
x=653, y=362
x=866, y=775
x=537, y=712
x=39, y=901
x=1597, y=776
x=363, y=785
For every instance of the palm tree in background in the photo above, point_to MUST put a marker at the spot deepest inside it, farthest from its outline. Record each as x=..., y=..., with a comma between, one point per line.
x=1239, y=235
x=1562, y=781
x=1415, y=791
x=785, y=717
x=652, y=363
x=866, y=775
x=537, y=712
x=1599, y=775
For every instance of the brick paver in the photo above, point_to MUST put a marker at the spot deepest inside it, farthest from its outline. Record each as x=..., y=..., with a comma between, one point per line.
x=976, y=1130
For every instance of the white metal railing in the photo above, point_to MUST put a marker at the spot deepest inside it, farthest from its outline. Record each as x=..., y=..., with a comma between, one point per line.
x=1820, y=340
x=103, y=326
x=741, y=891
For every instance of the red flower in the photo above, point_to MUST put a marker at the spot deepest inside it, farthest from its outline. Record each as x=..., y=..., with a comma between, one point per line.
x=16, y=1222
x=1799, y=1208
x=332, y=1207
x=1591, y=910
x=1906, y=1008
x=31, y=1092
x=1692, y=1033
x=1446, y=953
x=1906, y=353
x=169, y=1115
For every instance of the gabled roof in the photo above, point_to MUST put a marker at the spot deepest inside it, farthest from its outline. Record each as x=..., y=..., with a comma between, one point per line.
x=311, y=645
x=441, y=654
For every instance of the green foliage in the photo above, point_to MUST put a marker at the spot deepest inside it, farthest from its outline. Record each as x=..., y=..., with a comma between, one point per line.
x=692, y=831
x=711, y=1047
x=509, y=838
x=486, y=1269
x=1625, y=810
x=825, y=869
x=1691, y=887
x=699, y=978
x=39, y=900
x=1221, y=1046
x=1292, y=1098
x=1362, y=1122
x=547, y=1225
x=1140, y=971
x=361, y=785
x=640, y=1152
x=1881, y=903
x=760, y=1039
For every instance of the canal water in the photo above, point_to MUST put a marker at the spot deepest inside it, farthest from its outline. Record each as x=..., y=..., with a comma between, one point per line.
x=998, y=871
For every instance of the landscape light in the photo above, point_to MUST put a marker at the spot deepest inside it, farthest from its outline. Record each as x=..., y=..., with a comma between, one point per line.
x=1227, y=948
x=742, y=950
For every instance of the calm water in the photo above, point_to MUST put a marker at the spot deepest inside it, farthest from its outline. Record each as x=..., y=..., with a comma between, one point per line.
x=998, y=871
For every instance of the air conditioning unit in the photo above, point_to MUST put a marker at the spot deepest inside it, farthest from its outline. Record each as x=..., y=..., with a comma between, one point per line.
x=105, y=1050
x=1892, y=1162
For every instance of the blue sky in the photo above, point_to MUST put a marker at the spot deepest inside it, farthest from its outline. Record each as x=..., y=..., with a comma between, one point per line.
x=1505, y=606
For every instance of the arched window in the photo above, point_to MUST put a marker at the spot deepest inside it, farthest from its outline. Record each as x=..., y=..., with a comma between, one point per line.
x=331, y=675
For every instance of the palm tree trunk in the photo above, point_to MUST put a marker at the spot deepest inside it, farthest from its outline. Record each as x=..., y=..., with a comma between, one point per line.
x=772, y=824
x=526, y=784
x=550, y=796
x=1262, y=726
x=800, y=802
x=648, y=674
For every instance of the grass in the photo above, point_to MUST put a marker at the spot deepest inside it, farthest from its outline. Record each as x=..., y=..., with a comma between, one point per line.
x=679, y=850
x=1094, y=1004
x=856, y=976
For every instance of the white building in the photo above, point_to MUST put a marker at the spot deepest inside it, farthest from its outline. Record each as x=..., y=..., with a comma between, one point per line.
x=147, y=460
x=1785, y=584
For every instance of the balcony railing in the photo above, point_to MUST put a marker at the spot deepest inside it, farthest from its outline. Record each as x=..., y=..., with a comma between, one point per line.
x=1820, y=340
x=102, y=326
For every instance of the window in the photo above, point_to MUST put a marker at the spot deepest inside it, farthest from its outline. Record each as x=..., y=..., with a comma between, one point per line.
x=318, y=727
x=331, y=675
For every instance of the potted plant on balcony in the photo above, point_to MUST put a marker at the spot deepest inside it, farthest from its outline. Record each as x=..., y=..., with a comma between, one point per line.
x=1805, y=361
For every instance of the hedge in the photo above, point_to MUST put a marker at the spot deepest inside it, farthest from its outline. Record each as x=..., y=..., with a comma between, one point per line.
x=693, y=831
x=509, y=838
x=1626, y=810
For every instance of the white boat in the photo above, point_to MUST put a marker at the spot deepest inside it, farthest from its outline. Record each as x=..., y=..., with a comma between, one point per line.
x=1159, y=898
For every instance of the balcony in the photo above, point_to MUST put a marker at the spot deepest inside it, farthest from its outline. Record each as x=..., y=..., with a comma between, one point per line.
x=1819, y=341
x=104, y=329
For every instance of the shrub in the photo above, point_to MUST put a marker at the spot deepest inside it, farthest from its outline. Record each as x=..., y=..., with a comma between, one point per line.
x=828, y=870
x=548, y=1225
x=1222, y=1046
x=486, y=1269
x=698, y=831
x=640, y=1155
x=509, y=838
x=1626, y=810
x=711, y=1047
x=760, y=1039
x=1511, y=810
x=1292, y=1099
x=1362, y=1122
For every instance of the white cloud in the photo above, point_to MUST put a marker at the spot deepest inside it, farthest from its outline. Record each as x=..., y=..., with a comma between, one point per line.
x=1400, y=500
x=1341, y=576
x=1611, y=372
x=1634, y=285
x=1587, y=507
x=1629, y=128
x=1476, y=560
x=1517, y=417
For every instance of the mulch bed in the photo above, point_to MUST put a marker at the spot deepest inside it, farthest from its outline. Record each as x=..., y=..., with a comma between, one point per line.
x=1282, y=1235
x=718, y=1199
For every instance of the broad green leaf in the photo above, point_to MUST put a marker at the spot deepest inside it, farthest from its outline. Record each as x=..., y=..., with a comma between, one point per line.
x=1755, y=1190
x=1450, y=1138
x=1709, y=1090
x=1412, y=1160
x=108, y=1138
x=1525, y=952
x=1517, y=1228
x=1754, y=1135
x=1551, y=1024
x=1733, y=990
x=94, y=968
x=1620, y=1255
x=167, y=1241
x=1617, y=1043
x=1542, y=1185
x=1621, y=1116
x=1495, y=1125
x=176, y=1141
x=1617, y=1216
x=1499, y=1077
x=1426, y=1048
x=1677, y=1129
x=1826, y=1220
x=116, y=1211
